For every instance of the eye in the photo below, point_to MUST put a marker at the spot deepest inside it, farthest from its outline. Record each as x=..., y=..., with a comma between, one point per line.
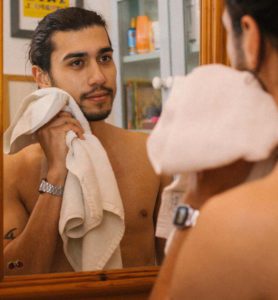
x=105, y=58
x=78, y=63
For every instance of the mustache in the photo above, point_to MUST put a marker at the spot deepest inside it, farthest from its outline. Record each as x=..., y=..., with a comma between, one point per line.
x=97, y=88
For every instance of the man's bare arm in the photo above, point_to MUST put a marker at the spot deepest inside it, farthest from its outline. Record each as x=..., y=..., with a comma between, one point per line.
x=30, y=240
x=35, y=243
x=10, y=235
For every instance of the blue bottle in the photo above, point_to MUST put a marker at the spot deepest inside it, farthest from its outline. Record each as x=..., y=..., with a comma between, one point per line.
x=131, y=37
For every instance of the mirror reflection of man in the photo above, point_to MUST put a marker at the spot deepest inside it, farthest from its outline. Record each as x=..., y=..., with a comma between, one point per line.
x=71, y=50
x=231, y=253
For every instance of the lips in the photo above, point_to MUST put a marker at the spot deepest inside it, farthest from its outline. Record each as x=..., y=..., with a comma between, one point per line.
x=97, y=97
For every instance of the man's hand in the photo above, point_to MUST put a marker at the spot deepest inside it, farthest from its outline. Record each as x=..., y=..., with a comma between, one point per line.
x=52, y=138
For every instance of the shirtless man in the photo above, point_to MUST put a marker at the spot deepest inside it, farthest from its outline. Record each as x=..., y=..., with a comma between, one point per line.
x=231, y=253
x=71, y=50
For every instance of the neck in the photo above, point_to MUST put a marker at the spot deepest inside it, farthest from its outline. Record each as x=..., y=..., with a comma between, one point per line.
x=101, y=129
x=98, y=127
x=272, y=87
x=274, y=92
x=269, y=74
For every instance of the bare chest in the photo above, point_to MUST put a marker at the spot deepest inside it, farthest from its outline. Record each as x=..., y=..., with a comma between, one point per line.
x=138, y=187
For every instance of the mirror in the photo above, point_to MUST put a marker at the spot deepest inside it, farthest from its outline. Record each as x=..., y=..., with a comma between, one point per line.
x=137, y=245
x=128, y=284
x=133, y=283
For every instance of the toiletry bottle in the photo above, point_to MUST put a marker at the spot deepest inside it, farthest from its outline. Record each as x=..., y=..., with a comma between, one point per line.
x=142, y=34
x=156, y=37
x=151, y=36
x=131, y=37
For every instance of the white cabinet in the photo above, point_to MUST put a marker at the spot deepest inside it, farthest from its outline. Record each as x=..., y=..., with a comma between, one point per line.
x=137, y=104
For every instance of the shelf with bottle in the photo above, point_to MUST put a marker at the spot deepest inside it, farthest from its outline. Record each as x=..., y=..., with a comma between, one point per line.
x=142, y=39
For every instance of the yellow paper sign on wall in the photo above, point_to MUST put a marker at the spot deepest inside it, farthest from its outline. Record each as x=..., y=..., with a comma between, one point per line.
x=41, y=8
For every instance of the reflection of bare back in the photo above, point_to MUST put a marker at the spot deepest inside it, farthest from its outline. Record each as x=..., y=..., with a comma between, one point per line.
x=138, y=185
x=238, y=230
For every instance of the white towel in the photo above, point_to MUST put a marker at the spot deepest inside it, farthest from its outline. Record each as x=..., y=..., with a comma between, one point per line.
x=172, y=195
x=213, y=117
x=92, y=217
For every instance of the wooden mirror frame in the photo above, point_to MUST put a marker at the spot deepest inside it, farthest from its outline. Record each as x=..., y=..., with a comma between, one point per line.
x=133, y=283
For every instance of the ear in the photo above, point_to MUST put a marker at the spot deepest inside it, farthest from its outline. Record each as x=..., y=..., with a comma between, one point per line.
x=251, y=41
x=41, y=77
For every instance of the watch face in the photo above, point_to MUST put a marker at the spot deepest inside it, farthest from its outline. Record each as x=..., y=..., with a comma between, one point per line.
x=42, y=188
x=181, y=216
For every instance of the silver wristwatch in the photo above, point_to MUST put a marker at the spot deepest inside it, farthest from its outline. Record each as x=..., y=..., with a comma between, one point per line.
x=185, y=216
x=46, y=187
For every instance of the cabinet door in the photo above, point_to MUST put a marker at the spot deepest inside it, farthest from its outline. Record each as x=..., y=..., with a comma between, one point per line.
x=185, y=35
x=137, y=104
x=190, y=33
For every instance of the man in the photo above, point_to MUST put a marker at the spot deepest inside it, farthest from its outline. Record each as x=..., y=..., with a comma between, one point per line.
x=231, y=252
x=71, y=50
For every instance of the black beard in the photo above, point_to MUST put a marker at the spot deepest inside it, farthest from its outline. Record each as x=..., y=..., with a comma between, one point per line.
x=97, y=116
x=91, y=117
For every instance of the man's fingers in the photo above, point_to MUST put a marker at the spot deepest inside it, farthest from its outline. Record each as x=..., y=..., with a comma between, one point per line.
x=75, y=126
x=64, y=114
x=64, y=120
x=78, y=130
x=65, y=124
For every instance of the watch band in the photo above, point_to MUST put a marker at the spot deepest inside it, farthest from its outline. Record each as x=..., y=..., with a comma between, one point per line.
x=185, y=216
x=46, y=187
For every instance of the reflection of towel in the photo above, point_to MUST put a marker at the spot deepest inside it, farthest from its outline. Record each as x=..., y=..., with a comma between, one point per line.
x=213, y=117
x=92, y=218
x=172, y=195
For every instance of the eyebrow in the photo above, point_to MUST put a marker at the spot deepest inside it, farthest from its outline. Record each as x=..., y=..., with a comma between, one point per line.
x=84, y=54
x=106, y=49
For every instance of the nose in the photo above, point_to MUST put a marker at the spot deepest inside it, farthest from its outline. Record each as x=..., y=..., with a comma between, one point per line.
x=96, y=75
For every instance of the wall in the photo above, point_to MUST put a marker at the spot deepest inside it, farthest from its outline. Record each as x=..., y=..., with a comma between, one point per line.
x=15, y=49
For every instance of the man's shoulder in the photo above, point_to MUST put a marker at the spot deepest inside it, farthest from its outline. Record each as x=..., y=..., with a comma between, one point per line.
x=235, y=242
x=136, y=138
x=129, y=133
x=27, y=157
x=243, y=218
x=20, y=172
x=130, y=148
x=248, y=199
